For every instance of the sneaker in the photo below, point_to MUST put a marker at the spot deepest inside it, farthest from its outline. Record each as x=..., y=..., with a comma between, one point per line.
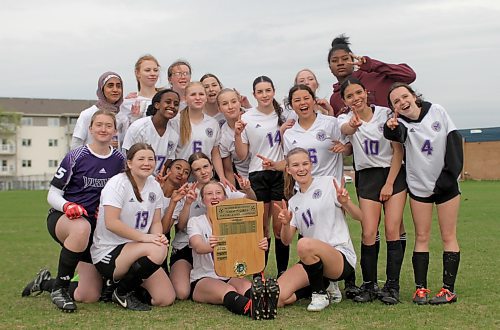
x=444, y=296
x=389, y=295
x=62, y=300
x=258, y=300
x=34, y=286
x=129, y=301
x=333, y=292
x=351, y=291
x=272, y=293
x=366, y=294
x=319, y=301
x=421, y=296
x=108, y=286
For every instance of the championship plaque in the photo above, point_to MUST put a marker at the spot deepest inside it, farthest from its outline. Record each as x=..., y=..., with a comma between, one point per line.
x=238, y=224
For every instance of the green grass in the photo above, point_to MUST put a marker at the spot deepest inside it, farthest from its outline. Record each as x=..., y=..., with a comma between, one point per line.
x=26, y=246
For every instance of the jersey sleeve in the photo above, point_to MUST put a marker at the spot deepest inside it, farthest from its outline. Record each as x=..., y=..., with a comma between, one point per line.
x=131, y=137
x=64, y=172
x=396, y=72
x=193, y=228
x=81, y=129
x=398, y=134
x=113, y=194
x=453, y=163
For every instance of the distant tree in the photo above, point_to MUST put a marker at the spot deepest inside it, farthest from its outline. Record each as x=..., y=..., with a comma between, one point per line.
x=9, y=122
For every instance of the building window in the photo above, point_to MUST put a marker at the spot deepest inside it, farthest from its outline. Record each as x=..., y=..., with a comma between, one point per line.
x=26, y=163
x=53, y=122
x=26, y=143
x=52, y=142
x=26, y=121
x=53, y=163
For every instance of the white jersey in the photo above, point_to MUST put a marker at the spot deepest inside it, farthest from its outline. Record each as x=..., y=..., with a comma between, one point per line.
x=425, y=148
x=197, y=208
x=316, y=213
x=317, y=140
x=81, y=130
x=369, y=146
x=124, y=118
x=143, y=130
x=227, y=149
x=219, y=117
x=262, y=134
x=119, y=193
x=203, y=264
x=204, y=137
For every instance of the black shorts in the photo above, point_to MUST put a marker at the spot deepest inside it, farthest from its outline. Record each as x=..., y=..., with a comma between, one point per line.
x=348, y=270
x=371, y=181
x=438, y=198
x=52, y=219
x=194, y=283
x=267, y=185
x=186, y=253
x=107, y=265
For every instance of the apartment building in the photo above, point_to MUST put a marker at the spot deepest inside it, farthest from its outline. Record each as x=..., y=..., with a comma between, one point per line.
x=35, y=134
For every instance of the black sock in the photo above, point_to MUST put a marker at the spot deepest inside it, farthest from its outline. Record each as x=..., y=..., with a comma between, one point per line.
x=248, y=293
x=402, y=239
x=48, y=285
x=71, y=289
x=369, y=264
x=350, y=280
x=139, y=271
x=420, y=262
x=394, y=262
x=451, y=260
x=282, y=255
x=377, y=243
x=68, y=260
x=305, y=292
x=315, y=276
x=266, y=253
x=237, y=303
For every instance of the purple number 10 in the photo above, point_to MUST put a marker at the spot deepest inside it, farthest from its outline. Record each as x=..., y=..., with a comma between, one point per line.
x=370, y=147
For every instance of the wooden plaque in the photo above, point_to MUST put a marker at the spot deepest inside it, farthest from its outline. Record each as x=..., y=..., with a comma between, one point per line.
x=239, y=225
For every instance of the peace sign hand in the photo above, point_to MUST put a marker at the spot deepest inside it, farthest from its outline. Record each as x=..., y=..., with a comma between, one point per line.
x=285, y=215
x=357, y=60
x=392, y=122
x=191, y=194
x=355, y=121
x=342, y=193
x=243, y=182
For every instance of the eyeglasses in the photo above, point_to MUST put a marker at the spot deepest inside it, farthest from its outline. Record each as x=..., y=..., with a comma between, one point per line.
x=181, y=74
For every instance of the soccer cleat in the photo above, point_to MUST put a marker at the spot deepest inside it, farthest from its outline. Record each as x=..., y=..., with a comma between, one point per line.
x=351, y=291
x=35, y=285
x=444, y=296
x=366, y=294
x=319, y=301
x=259, y=311
x=333, y=292
x=62, y=300
x=108, y=286
x=421, y=296
x=129, y=301
x=389, y=295
x=272, y=293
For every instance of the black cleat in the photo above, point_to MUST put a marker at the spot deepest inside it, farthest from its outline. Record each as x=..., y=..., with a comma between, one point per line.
x=108, y=286
x=272, y=294
x=35, y=285
x=258, y=300
x=389, y=295
x=366, y=294
x=351, y=291
x=62, y=300
x=129, y=301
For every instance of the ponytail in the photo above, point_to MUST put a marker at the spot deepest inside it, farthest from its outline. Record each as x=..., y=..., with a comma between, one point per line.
x=288, y=186
x=130, y=155
x=137, y=193
x=279, y=112
x=185, y=127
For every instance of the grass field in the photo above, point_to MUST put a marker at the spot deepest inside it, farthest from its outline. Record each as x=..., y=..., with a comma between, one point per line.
x=26, y=246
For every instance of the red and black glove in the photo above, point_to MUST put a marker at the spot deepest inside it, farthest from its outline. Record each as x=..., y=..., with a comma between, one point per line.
x=73, y=210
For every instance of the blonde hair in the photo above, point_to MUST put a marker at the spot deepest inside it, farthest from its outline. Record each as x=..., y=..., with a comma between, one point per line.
x=147, y=57
x=103, y=112
x=289, y=181
x=185, y=121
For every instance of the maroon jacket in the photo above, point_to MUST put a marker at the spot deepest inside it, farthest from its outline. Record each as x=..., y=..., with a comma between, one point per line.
x=377, y=77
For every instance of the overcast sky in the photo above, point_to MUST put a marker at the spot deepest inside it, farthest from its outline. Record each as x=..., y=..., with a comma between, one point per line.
x=58, y=49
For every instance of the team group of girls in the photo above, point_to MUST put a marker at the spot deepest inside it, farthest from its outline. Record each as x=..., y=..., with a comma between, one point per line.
x=113, y=214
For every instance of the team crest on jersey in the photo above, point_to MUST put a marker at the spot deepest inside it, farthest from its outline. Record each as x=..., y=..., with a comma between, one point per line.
x=221, y=122
x=152, y=197
x=321, y=135
x=170, y=146
x=436, y=126
x=381, y=128
x=317, y=194
x=210, y=132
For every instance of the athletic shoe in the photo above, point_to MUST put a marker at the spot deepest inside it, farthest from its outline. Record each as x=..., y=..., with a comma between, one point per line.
x=62, y=300
x=366, y=294
x=129, y=301
x=272, y=293
x=319, y=301
x=421, y=296
x=444, y=296
x=333, y=292
x=34, y=286
x=258, y=300
x=351, y=291
x=108, y=286
x=389, y=295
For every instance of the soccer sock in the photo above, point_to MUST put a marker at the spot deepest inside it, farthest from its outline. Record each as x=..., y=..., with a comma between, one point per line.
x=71, y=289
x=66, y=269
x=248, y=293
x=350, y=279
x=420, y=261
x=451, y=260
x=369, y=264
x=394, y=261
x=237, y=303
x=377, y=243
x=282, y=255
x=315, y=276
x=402, y=239
x=48, y=285
x=305, y=292
x=139, y=271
